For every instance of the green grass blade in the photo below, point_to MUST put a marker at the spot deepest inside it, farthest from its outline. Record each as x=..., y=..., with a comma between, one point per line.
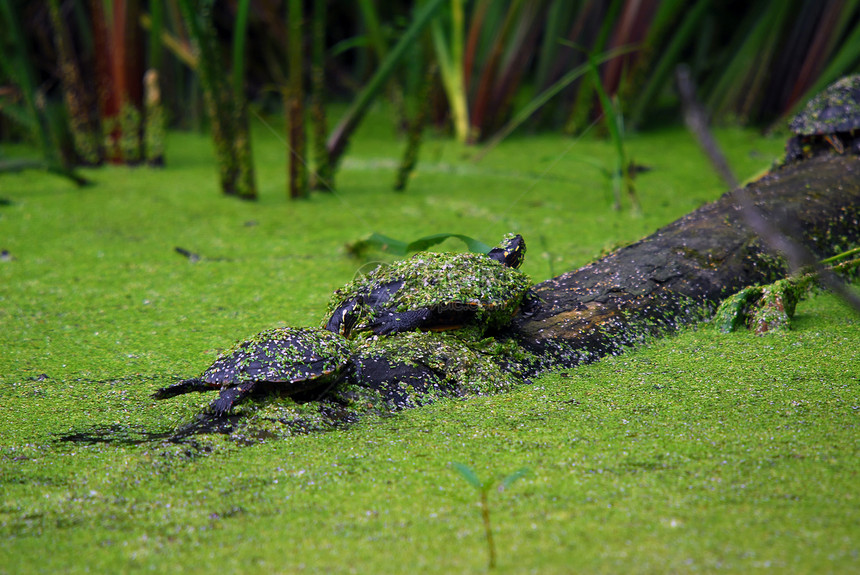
x=740, y=82
x=383, y=243
x=397, y=247
x=611, y=116
x=840, y=63
x=841, y=256
x=510, y=479
x=557, y=18
x=583, y=102
x=156, y=30
x=18, y=68
x=240, y=37
x=538, y=101
x=294, y=98
x=340, y=135
x=449, y=55
x=20, y=114
x=370, y=17
x=660, y=75
x=486, y=98
x=472, y=244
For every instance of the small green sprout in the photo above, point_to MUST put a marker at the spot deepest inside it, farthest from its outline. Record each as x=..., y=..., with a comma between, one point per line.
x=484, y=488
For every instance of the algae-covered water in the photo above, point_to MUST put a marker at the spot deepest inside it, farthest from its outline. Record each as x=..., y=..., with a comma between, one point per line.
x=698, y=453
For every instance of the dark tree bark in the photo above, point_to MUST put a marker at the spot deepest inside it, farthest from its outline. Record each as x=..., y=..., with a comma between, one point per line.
x=680, y=273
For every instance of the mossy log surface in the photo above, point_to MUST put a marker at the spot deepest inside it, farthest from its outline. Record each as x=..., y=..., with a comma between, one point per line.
x=678, y=274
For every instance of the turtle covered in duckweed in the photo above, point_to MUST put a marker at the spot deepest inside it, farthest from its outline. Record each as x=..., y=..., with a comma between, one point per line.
x=387, y=374
x=287, y=360
x=399, y=360
x=434, y=291
x=830, y=120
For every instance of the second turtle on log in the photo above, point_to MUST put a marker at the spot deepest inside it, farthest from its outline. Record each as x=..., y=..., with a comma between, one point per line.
x=830, y=120
x=434, y=291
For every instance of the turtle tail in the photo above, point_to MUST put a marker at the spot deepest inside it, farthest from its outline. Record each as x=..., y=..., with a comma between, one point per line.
x=185, y=386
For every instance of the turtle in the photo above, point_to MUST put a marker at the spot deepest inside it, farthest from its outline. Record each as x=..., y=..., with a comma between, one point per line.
x=434, y=291
x=829, y=120
x=291, y=360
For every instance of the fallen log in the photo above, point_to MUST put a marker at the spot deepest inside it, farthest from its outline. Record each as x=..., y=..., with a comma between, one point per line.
x=653, y=287
x=678, y=275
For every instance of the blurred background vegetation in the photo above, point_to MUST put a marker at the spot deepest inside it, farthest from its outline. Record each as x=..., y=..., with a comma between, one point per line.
x=95, y=81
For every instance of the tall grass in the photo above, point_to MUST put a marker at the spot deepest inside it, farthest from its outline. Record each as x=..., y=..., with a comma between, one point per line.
x=501, y=65
x=227, y=110
x=339, y=138
x=294, y=96
x=449, y=57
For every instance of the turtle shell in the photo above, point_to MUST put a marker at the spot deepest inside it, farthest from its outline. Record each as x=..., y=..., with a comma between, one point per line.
x=836, y=109
x=445, y=289
x=298, y=358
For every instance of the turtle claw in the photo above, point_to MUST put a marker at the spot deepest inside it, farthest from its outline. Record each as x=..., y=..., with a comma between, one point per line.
x=229, y=398
x=344, y=317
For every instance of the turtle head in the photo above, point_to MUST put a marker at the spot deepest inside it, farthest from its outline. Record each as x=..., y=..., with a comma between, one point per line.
x=510, y=252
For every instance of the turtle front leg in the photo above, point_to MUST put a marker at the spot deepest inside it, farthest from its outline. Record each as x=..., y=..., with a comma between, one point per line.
x=387, y=323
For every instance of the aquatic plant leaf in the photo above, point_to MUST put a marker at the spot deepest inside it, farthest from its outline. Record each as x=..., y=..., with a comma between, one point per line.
x=468, y=474
x=400, y=248
x=513, y=477
x=472, y=244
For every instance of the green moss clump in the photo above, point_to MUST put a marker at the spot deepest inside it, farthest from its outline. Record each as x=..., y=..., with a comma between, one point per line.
x=762, y=309
x=733, y=312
